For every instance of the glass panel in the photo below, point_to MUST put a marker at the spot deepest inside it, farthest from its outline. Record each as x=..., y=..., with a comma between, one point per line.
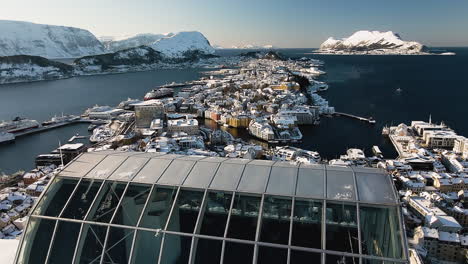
x=208, y=251
x=282, y=180
x=268, y=255
x=201, y=174
x=342, y=231
x=36, y=241
x=158, y=208
x=64, y=243
x=254, y=179
x=340, y=259
x=176, y=172
x=147, y=247
x=301, y=257
x=307, y=224
x=91, y=244
x=176, y=249
x=216, y=213
x=82, y=165
x=310, y=183
x=185, y=213
x=375, y=188
x=128, y=169
x=340, y=185
x=236, y=253
x=380, y=232
x=152, y=171
x=56, y=196
x=132, y=204
x=119, y=245
x=106, y=202
x=82, y=199
x=244, y=217
x=276, y=218
x=106, y=167
x=227, y=177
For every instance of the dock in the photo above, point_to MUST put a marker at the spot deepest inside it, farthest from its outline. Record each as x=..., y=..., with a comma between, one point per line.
x=53, y=126
x=368, y=120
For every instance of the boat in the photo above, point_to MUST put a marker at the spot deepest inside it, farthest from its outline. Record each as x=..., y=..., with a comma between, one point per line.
x=371, y=120
x=398, y=90
x=18, y=124
x=6, y=137
x=159, y=93
x=60, y=119
x=91, y=127
x=128, y=104
x=172, y=85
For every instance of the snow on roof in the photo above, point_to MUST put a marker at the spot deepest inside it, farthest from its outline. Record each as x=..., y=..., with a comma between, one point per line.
x=430, y=232
x=449, y=237
x=8, y=252
x=71, y=146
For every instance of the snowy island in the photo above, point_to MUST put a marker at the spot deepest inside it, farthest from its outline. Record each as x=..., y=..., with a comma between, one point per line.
x=372, y=43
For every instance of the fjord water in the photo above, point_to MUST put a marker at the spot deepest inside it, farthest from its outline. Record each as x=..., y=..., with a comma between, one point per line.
x=361, y=85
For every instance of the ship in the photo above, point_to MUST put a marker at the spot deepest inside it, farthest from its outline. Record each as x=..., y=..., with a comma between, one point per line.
x=6, y=137
x=60, y=119
x=18, y=124
x=159, y=93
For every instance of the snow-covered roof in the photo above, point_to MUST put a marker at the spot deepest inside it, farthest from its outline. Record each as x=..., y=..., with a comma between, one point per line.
x=449, y=237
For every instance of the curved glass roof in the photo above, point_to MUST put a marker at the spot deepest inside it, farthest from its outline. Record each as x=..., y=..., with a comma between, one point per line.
x=133, y=207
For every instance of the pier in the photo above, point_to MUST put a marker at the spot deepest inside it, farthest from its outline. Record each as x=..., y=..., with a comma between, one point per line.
x=53, y=126
x=370, y=120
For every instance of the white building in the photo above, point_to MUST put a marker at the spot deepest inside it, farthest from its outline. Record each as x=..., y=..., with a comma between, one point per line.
x=189, y=126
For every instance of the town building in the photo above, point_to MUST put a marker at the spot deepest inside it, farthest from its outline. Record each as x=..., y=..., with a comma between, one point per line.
x=146, y=112
x=189, y=126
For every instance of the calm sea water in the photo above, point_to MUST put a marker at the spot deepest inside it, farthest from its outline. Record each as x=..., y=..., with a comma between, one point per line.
x=361, y=85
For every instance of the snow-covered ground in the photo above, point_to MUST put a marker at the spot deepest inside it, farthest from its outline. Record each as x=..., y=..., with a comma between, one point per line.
x=25, y=38
x=372, y=42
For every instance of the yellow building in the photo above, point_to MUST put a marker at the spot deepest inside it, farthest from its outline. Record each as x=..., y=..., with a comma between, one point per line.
x=286, y=86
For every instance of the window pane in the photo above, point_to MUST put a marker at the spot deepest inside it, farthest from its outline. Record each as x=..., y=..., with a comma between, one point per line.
x=380, y=232
x=119, y=244
x=216, y=213
x=307, y=224
x=158, y=208
x=36, y=242
x=342, y=232
x=244, y=216
x=56, y=196
x=105, y=168
x=106, y=202
x=340, y=184
x=185, y=213
x=128, y=169
x=276, y=218
x=254, y=178
x=132, y=204
x=82, y=199
x=176, y=249
x=92, y=242
x=268, y=255
x=301, y=257
x=176, y=172
x=236, y=253
x=147, y=247
x=340, y=259
x=64, y=243
x=208, y=251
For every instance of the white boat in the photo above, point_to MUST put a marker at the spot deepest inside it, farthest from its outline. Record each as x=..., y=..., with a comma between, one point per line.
x=6, y=137
x=18, y=124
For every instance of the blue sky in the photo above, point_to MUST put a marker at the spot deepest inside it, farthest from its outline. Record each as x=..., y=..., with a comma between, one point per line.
x=293, y=23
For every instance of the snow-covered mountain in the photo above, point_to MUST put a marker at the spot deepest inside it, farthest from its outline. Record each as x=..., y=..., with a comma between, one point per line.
x=24, y=68
x=372, y=42
x=25, y=38
x=113, y=44
x=182, y=44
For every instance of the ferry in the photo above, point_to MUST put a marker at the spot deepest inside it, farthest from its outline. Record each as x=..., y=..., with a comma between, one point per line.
x=6, y=137
x=159, y=93
x=60, y=119
x=18, y=124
